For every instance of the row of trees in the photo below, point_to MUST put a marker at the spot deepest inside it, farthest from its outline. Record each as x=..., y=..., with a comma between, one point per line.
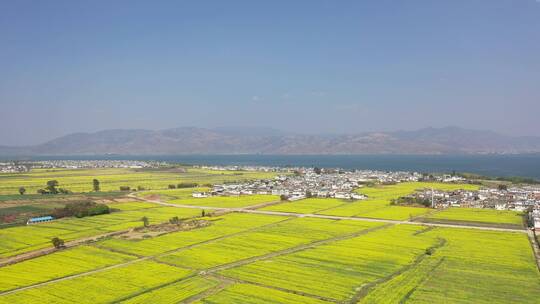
x=53, y=188
x=81, y=209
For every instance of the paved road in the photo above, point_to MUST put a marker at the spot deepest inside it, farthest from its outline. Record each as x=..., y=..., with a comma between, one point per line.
x=332, y=217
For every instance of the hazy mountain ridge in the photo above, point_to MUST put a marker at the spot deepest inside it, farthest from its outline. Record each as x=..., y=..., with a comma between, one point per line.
x=231, y=140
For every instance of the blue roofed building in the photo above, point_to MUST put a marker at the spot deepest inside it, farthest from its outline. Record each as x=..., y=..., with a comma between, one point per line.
x=40, y=219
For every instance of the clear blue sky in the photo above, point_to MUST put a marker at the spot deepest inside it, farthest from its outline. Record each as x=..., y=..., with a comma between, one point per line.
x=301, y=66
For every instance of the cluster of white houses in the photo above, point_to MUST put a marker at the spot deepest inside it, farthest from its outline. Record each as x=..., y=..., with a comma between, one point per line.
x=94, y=164
x=309, y=182
x=13, y=167
x=518, y=199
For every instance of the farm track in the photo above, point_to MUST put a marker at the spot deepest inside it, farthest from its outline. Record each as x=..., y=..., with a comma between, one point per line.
x=224, y=283
x=364, y=290
x=535, y=247
x=332, y=217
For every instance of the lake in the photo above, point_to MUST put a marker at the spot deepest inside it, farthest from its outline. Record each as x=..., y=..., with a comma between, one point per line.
x=491, y=165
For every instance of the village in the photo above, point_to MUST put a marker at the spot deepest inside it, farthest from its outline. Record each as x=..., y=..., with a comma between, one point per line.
x=303, y=183
x=311, y=182
x=26, y=166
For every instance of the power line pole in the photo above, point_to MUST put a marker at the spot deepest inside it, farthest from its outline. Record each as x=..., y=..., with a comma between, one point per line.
x=432, y=199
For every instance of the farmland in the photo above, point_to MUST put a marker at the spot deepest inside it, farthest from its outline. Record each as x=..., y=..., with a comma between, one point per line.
x=252, y=258
x=378, y=203
x=21, y=239
x=80, y=180
x=255, y=256
x=477, y=216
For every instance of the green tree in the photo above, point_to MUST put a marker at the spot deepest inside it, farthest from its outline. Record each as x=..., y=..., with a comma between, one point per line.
x=51, y=186
x=145, y=221
x=203, y=213
x=174, y=220
x=57, y=242
x=22, y=190
x=95, y=184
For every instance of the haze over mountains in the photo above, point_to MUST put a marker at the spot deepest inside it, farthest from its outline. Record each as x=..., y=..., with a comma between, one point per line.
x=237, y=140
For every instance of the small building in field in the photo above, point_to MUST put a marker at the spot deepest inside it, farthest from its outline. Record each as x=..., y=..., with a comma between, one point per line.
x=40, y=219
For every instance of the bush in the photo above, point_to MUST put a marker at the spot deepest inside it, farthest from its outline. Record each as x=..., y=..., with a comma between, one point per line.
x=172, y=186
x=125, y=188
x=81, y=209
x=187, y=185
x=57, y=242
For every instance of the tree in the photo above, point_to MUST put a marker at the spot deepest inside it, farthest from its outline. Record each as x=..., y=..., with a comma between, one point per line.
x=174, y=220
x=203, y=213
x=145, y=221
x=51, y=186
x=283, y=197
x=317, y=170
x=309, y=194
x=22, y=190
x=502, y=187
x=172, y=186
x=57, y=242
x=124, y=188
x=95, y=184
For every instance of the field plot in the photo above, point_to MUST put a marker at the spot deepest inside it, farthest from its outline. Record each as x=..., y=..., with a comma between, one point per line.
x=21, y=239
x=265, y=240
x=472, y=267
x=227, y=201
x=174, y=293
x=229, y=224
x=102, y=287
x=80, y=180
x=377, y=205
x=308, y=205
x=349, y=263
x=253, y=294
x=171, y=194
x=57, y=265
x=477, y=216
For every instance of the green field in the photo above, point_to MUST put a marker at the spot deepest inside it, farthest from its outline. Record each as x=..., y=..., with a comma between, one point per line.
x=377, y=205
x=477, y=216
x=227, y=201
x=21, y=239
x=250, y=258
x=80, y=180
x=308, y=205
x=258, y=258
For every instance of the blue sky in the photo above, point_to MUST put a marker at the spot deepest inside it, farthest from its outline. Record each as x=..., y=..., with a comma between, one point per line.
x=299, y=66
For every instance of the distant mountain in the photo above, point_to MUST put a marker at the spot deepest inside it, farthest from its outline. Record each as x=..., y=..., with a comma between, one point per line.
x=238, y=140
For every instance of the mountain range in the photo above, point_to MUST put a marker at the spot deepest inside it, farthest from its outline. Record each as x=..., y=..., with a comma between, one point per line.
x=248, y=140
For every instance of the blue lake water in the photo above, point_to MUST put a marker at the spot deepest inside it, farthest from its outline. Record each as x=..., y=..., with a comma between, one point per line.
x=491, y=165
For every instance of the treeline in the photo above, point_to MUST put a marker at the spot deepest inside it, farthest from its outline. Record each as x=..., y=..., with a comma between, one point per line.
x=81, y=209
x=183, y=185
x=411, y=201
x=51, y=188
x=511, y=179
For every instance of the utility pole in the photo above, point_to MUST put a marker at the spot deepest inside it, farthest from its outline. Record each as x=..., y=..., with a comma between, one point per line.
x=432, y=199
